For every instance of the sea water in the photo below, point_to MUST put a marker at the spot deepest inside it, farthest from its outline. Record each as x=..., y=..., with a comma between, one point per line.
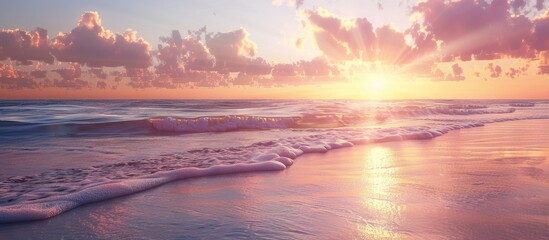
x=57, y=155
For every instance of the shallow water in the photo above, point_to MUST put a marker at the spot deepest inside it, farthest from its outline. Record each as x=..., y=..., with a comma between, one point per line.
x=58, y=155
x=490, y=182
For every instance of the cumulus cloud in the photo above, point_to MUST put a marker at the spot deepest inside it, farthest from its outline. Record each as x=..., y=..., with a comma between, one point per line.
x=92, y=45
x=24, y=47
x=235, y=52
x=179, y=55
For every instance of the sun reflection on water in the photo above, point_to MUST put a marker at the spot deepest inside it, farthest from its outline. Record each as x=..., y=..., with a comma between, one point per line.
x=379, y=195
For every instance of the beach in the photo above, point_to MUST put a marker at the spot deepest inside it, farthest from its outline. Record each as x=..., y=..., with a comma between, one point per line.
x=489, y=182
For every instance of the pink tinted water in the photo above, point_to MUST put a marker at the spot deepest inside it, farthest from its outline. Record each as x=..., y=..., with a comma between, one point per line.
x=490, y=182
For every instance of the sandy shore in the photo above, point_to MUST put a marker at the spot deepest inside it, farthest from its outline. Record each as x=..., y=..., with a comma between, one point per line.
x=482, y=183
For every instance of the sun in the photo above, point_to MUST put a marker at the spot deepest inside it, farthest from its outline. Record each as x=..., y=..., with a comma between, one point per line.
x=376, y=84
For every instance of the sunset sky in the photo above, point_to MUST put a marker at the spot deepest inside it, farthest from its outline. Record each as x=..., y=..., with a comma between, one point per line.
x=395, y=49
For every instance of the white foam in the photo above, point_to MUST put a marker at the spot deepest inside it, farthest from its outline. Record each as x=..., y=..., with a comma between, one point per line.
x=46, y=208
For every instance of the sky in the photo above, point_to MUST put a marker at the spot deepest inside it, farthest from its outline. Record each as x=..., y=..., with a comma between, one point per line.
x=287, y=49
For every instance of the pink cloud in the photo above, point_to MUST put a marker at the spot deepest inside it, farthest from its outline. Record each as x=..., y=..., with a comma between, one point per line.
x=456, y=74
x=92, y=45
x=476, y=29
x=495, y=70
x=356, y=39
x=342, y=40
x=540, y=34
x=235, y=52
x=515, y=72
x=179, y=55
x=315, y=71
x=24, y=47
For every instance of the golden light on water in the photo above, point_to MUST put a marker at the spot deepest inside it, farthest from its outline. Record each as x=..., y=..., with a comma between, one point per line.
x=379, y=180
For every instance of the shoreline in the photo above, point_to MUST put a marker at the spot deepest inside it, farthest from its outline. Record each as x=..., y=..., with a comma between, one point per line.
x=276, y=159
x=387, y=196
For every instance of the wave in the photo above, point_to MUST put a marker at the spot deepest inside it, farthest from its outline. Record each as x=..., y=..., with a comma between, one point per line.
x=245, y=122
x=99, y=125
x=34, y=198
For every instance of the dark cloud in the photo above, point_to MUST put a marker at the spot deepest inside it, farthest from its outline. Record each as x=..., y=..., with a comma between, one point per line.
x=97, y=73
x=539, y=4
x=38, y=73
x=518, y=5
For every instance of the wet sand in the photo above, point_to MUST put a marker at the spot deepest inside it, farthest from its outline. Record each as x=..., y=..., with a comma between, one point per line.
x=490, y=182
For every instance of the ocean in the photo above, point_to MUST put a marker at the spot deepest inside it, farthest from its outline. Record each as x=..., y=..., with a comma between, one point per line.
x=57, y=155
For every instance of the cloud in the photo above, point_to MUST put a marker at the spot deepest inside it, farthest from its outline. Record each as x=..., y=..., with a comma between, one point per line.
x=315, y=71
x=234, y=52
x=342, y=39
x=539, y=4
x=356, y=39
x=457, y=72
x=543, y=67
x=517, y=5
x=455, y=75
x=97, y=73
x=540, y=34
x=72, y=72
x=38, y=73
x=10, y=78
x=180, y=55
x=24, y=47
x=517, y=72
x=495, y=70
x=486, y=30
x=101, y=85
x=476, y=29
x=92, y=45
